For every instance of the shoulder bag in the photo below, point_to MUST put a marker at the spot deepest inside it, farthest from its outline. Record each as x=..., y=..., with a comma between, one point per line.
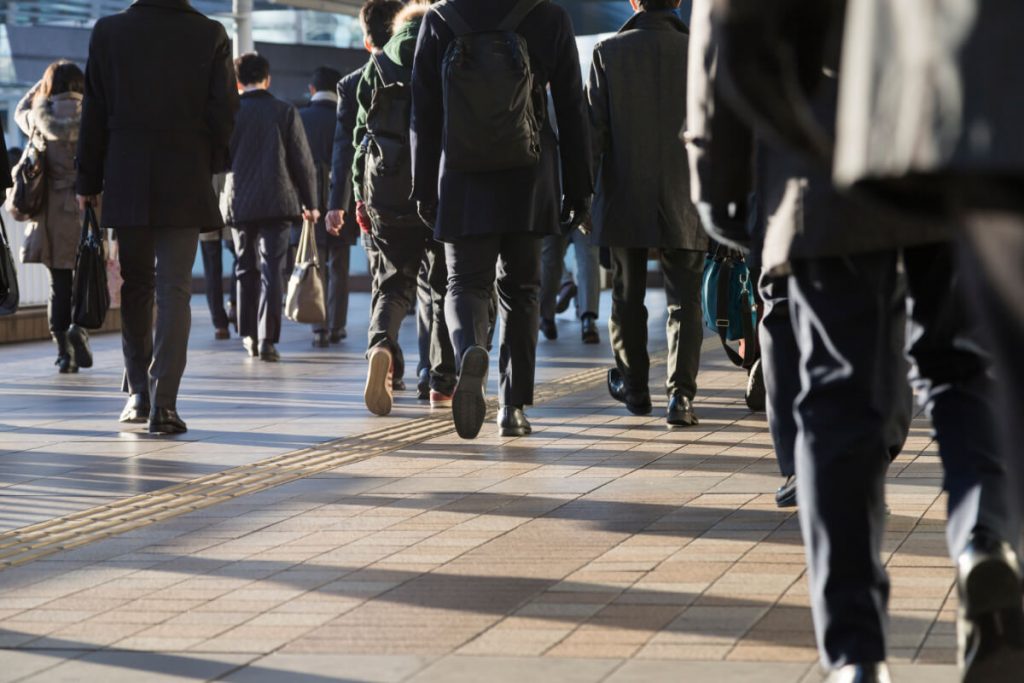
x=305, y=301
x=90, y=298
x=8, y=275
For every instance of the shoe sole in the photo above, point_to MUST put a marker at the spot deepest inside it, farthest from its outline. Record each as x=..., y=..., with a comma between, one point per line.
x=996, y=653
x=138, y=420
x=469, y=405
x=683, y=423
x=515, y=432
x=440, y=405
x=640, y=410
x=378, y=399
x=166, y=430
x=83, y=355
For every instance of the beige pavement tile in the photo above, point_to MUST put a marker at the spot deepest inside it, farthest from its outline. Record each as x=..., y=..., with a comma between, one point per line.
x=463, y=669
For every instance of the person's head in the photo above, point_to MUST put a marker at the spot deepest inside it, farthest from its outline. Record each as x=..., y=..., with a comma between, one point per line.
x=60, y=77
x=253, y=71
x=376, y=18
x=653, y=5
x=325, y=79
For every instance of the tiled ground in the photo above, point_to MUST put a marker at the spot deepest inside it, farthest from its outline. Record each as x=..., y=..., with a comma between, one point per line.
x=602, y=548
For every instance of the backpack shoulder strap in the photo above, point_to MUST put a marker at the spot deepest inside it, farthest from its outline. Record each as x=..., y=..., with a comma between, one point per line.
x=518, y=13
x=386, y=69
x=450, y=16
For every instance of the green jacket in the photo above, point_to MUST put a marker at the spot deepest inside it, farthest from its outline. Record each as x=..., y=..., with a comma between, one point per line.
x=400, y=49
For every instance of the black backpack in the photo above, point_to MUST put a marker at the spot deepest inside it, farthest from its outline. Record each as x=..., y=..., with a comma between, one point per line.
x=387, y=184
x=492, y=117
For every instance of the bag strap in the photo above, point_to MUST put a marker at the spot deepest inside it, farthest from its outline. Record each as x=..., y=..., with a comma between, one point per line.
x=722, y=309
x=518, y=13
x=387, y=70
x=451, y=16
x=751, y=349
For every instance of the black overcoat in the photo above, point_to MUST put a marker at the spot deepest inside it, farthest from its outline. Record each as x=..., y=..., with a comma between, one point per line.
x=341, y=198
x=159, y=108
x=637, y=100
x=518, y=200
x=319, y=118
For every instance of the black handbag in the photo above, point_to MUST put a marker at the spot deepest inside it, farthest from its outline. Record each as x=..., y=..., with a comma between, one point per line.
x=26, y=199
x=90, y=298
x=8, y=275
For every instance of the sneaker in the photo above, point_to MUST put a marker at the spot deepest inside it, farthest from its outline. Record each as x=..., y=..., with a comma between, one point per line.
x=469, y=402
x=439, y=400
x=378, y=393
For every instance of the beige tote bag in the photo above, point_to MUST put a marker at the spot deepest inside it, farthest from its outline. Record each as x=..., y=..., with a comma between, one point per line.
x=305, y=302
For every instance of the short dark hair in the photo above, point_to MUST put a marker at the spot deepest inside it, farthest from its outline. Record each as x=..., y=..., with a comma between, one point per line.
x=325, y=78
x=252, y=68
x=655, y=5
x=376, y=16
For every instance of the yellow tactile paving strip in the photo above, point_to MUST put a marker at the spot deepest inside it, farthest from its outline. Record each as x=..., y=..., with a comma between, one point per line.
x=36, y=541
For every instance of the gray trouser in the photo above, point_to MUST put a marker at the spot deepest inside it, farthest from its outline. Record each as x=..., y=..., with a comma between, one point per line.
x=588, y=265
x=156, y=264
x=627, y=328
x=334, y=267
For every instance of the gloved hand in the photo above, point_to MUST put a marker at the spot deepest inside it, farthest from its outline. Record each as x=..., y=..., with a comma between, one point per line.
x=427, y=212
x=575, y=212
x=363, y=218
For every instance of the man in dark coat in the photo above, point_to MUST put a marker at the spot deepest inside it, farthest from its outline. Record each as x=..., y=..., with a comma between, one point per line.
x=152, y=152
x=642, y=202
x=271, y=186
x=319, y=119
x=499, y=217
x=843, y=261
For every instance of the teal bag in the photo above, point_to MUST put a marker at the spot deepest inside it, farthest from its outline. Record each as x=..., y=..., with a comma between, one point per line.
x=728, y=304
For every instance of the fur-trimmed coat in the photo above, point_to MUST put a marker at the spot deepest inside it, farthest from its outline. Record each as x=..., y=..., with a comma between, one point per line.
x=52, y=239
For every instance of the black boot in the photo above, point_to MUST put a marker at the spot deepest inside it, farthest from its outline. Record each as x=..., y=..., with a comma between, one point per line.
x=65, y=354
x=79, y=340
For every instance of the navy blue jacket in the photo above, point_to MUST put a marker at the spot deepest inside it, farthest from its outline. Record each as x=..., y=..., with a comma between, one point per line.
x=343, y=153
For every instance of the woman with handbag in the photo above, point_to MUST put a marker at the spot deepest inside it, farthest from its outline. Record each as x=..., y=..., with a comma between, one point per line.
x=50, y=114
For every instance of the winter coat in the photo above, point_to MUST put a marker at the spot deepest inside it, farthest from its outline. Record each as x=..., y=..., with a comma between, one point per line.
x=637, y=99
x=802, y=215
x=54, y=234
x=319, y=121
x=160, y=100
x=342, y=198
x=933, y=93
x=272, y=173
x=519, y=200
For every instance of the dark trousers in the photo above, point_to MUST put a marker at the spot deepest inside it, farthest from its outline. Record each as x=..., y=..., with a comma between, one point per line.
x=994, y=264
x=683, y=270
x=58, y=308
x=401, y=253
x=424, y=316
x=261, y=250
x=156, y=264
x=471, y=280
x=334, y=259
x=213, y=271
x=849, y=334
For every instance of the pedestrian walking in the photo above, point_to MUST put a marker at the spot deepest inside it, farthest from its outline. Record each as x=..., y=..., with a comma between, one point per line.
x=558, y=287
x=145, y=148
x=643, y=202
x=50, y=115
x=486, y=177
x=272, y=184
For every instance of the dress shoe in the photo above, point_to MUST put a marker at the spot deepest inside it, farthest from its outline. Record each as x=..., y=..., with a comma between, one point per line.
x=589, y=329
x=990, y=622
x=423, y=385
x=136, y=410
x=549, y=329
x=321, y=340
x=79, y=340
x=338, y=335
x=268, y=353
x=221, y=333
x=166, y=421
x=512, y=422
x=65, y=354
x=566, y=293
x=469, y=402
x=680, y=412
x=439, y=400
x=637, y=402
x=876, y=672
x=785, y=496
x=251, y=347
x=379, y=387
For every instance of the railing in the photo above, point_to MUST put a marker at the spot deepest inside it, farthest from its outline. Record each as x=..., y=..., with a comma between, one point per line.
x=33, y=280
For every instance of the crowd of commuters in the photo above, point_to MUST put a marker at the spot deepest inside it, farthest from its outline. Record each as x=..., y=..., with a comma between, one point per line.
x=469, y=152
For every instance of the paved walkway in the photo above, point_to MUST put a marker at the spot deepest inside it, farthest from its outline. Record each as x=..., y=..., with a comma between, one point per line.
x=290, y=537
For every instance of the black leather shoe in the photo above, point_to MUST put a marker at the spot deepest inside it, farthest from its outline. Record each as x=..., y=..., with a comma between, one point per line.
x=268, y=353
x=566, y=294
x=79, y=340
x=398, y=384
x=680, y=412
x=990, y=622
x=166, y=421
x=512, y=422
x=338, y=335
x=320, y=340
x=549, y=329
x=590, y=334
x=423, y=385
x=249, y=344
x=469, y=402
x=136, y=410
x=637, y=402
x=876, y=672
x=785, y=496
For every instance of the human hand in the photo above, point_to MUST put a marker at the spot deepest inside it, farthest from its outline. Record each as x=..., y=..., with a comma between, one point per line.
x=311, y=215
x=363, y=218
x=427, y=212
x=90, y=200
x=335, y=220
x=575, y=214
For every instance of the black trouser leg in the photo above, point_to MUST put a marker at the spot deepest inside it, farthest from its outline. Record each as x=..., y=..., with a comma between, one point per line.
x=471, y=274
x=553, y=260
x=247, y=274
x=338, y=260
x=233, y=289
x=780, y=358
x=273, y=247
x=442, y=355
x=213, y=271
x=425, y=315
x=137, y=257
x=59, y=305
x=683, y=270
x=627, y=327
